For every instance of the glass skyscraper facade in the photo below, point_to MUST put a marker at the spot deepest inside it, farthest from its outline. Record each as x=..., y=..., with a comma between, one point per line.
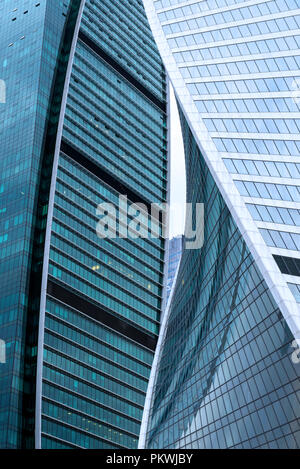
x=175, y=251
x=84, y=121
x=224, y=375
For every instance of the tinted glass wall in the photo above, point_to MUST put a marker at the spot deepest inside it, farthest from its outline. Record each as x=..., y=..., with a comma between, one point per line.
x=104, y=295
x=79, y=314
x=225, y=377
x=31, y=40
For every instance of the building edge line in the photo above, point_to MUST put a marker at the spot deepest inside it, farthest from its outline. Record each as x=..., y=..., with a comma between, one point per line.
x=42, y=310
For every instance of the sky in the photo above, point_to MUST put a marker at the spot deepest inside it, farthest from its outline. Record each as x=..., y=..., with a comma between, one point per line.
x=178, y=182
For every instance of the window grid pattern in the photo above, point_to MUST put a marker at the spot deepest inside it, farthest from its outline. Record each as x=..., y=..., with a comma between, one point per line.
x=107, y=124
x=225, y=377
x=130, y=42
x=29, y=48
x=240, y=61
x=114, y=142
x=94, y=381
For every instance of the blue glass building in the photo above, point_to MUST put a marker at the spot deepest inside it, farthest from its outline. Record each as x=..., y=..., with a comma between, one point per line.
x=175, y=251
x=83, y=119
x=223, y=374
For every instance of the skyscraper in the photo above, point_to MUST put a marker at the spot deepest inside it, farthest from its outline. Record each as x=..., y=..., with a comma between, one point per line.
x=224, y=374
x=83, y=120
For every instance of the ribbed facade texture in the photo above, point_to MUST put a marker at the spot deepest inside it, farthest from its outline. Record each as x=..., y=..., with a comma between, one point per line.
x=85, y=120
x=224, y=375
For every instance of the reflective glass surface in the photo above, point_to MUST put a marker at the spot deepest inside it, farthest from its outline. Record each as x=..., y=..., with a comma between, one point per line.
x=225, y=378
x=30, y=35
x=104, y=295
x=241, y=65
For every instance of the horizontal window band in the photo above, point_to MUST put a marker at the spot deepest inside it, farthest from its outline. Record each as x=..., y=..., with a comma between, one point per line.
x=81, y=431
x=103, y=358
x=60, y=440
x=74, y=230
x=288, y=265
x=86, y=398
x=103, y=175
x=86, y=382
x=114, y=64
x=87, y=416
x=99, y=314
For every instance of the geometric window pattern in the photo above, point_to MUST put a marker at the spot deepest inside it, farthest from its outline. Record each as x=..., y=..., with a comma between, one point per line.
x=224, y=378
x=30, y=44
x=103, y=299
x=219, y=379
x=240, y=62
